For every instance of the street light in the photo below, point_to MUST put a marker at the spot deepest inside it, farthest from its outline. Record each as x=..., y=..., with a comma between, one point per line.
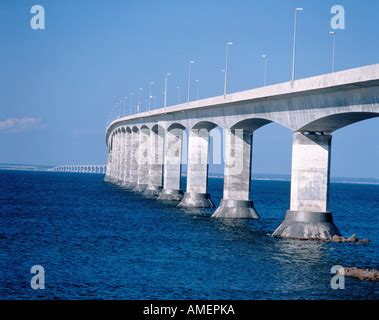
x=189, y=79
x=151, y=84
x=119, y=106
x=165, y=89
x=130, y=103
x=153, y=97
x=139, y=100
x=226, y=67
x=198, y=89
x=333, y=33
x=125, y=101
x=264, y=56
x=294, y=44
x=178, y=88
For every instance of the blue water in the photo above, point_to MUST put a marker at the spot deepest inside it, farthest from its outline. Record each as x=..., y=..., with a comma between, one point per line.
x=97, y=241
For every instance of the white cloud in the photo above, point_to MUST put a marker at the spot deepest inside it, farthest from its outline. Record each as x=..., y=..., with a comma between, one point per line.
x=19, y=124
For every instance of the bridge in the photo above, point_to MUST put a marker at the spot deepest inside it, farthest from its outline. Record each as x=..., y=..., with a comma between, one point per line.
x=145, y=150
x=97, y=168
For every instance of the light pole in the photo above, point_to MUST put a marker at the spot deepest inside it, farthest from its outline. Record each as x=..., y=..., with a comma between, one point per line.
x=294, y=44
x=151, y=84
x=130, y=103
x=197, y=89
x=119, y=106
x=178, y=88
x=125, y=101
x=189, y=80
x=139, y=100
x=153, y=97
x=226, y=67
x=165, y=89
x=333, y=33
x=264, y=56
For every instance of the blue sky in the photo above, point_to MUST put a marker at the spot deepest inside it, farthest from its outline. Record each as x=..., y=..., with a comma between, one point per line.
x=58, y=85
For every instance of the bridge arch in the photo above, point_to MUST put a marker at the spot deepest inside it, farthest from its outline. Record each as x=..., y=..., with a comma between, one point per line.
x=251, y=124
x=337, y=121
x=176, y=126
x=208, y=125
x=157, y=128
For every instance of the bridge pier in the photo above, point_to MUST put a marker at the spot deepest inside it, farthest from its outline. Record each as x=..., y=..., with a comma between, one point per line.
x=120, y=157
x=107, y=168
x=143, y=160
x=172, y=166
x=154, y=186
x=127, y=155
x=116, y=158
x=134, y=158
x=309, y=217
x=236, y=203
x=113, y=159
x=108, y=173
x=196, y=195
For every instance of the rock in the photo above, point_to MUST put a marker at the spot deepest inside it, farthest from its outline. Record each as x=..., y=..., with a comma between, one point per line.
x=362, y=274
x=336, y=238
x=352, y=239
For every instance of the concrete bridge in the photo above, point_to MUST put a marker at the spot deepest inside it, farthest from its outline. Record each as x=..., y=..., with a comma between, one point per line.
x=97, y=168
x=144, y=150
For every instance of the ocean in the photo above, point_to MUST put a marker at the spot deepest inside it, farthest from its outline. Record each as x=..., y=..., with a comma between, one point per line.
x=97, y=241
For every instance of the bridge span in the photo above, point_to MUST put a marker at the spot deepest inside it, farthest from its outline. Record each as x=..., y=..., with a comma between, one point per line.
x=145, y=150
x=96, y=168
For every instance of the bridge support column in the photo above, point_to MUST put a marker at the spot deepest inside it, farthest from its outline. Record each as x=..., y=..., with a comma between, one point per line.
x=172, y=166
x=236, y=203
x=107, y=177
x=127, y=155
x=143, y=160
x=114, y=158
x=134, y=158
x=155, y=164
x=117, y=159
x=197, y=195
x=308, y=217
x=120, y=158
x=110, y=162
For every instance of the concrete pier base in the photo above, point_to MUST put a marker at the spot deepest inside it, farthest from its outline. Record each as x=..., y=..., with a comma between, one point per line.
x=236, y=203
x=307, y=225
x=236, y=209
x=128, y=185
x=140, y=188
x=171, y=195
x=309, y=216
x=152, y=191
x=196, y=200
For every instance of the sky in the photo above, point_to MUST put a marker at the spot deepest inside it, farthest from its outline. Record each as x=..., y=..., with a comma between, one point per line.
x=58, y=85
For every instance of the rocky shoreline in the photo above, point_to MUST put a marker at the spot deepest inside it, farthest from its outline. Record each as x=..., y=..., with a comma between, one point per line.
x=352, y=239
x=361, y=274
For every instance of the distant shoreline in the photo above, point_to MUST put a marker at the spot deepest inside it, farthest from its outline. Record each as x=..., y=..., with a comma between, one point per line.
x=257, y=177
